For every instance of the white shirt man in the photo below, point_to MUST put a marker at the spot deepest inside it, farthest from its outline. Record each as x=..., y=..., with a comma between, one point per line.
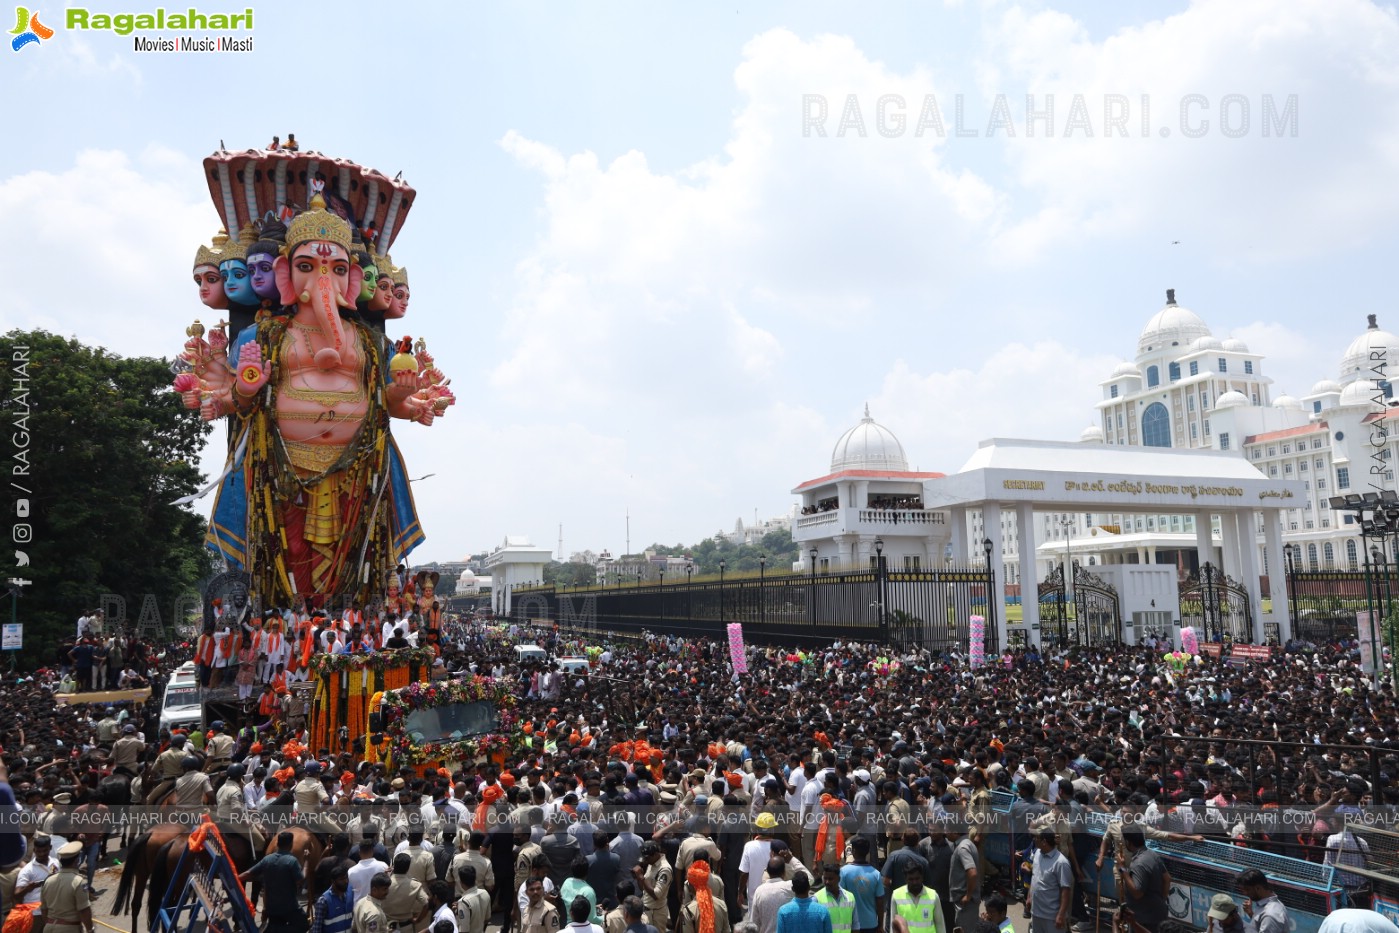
x=253, y=794
x=34, y=873
x=363, y=871
x=445, y=912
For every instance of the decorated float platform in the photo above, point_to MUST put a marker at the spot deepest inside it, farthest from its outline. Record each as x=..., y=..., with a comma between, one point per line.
x=388, y=706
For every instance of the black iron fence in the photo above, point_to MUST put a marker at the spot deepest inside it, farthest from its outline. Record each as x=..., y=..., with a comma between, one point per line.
x=931, y=609
x=1325, y=602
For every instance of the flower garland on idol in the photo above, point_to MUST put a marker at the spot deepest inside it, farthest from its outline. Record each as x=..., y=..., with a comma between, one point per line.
x=376, y=661
x=397, y=704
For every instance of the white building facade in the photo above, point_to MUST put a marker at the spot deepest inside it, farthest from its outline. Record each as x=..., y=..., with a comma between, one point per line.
x=868, y=501
x=1187, y=388
x=514, y=564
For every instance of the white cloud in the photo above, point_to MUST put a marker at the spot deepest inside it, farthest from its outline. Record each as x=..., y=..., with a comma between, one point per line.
x=1267, y=197
x=1044, y=390
x=1293, y=362
x=70, y=56
x=105, y=246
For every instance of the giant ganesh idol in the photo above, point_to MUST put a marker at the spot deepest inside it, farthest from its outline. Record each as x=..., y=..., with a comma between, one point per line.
x=314, y=502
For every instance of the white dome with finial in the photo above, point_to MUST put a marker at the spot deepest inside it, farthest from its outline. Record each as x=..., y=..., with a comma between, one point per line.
x=1126, y=369
x=1091, y=435
x=1358, y=394
x=1367, y=351
x=1231, y=399
x=1326, y=387
x=868, y=446
x=1171, y=326
x=1235, y=345
x=1287, y=402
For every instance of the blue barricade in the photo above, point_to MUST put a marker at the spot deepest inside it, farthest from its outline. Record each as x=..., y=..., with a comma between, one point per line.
x=1199, y=870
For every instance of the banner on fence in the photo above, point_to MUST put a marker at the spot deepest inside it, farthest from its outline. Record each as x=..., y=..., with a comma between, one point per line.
x=1364, y=620
x=976, y=633
x=737, y=654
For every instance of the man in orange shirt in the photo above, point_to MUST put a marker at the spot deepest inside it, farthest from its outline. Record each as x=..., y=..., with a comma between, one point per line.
x=204, y=656
x=269, y=705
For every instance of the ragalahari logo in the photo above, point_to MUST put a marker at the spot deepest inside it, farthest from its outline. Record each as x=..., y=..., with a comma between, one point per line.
x=28, y=30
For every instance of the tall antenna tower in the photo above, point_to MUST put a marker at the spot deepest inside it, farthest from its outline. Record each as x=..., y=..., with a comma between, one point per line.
x=628, y=550
x=560, y=542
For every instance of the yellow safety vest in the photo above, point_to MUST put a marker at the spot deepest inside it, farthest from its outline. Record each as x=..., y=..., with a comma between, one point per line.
x=842, y=911
x=921, y=912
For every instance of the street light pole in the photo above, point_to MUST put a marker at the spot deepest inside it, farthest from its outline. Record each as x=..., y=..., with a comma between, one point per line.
x=812, y=587
x=722, y=564
x=762, y=602
x=1288, y=550
x=1067, y=524
x=1370, y=600
x=661, y=572
x=990, y=590
x=879, y=586
x=16, y=584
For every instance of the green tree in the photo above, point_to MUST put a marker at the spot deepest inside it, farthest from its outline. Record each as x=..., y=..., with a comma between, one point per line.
x=569, y=573
x=777, y=546
x=101, y=447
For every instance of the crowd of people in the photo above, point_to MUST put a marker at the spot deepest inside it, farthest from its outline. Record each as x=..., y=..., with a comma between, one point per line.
x=843, y=785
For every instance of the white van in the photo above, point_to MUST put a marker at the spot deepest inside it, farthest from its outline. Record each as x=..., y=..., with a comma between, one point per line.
x=530, y=653
x=185, y=675
x=574, y=665
x=181, y=708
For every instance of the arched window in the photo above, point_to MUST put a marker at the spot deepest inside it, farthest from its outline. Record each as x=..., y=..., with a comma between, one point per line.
x=1156, y=426
x=1328, y=553
x=1153, y=376
x=1311, y=558
x=1352, y=558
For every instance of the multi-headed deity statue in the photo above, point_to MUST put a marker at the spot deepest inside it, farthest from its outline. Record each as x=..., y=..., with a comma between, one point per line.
x=314, y=503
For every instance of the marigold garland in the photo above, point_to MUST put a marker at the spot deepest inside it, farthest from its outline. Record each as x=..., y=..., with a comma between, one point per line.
x=377, y=661
x=397, y=704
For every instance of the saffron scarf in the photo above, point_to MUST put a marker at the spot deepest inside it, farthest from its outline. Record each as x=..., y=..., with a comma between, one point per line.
x=831, y=808
x=490, y=795
x=698, y=876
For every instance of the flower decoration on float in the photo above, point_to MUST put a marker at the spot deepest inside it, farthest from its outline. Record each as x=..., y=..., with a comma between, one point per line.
x=411, y=747
x=378, y=661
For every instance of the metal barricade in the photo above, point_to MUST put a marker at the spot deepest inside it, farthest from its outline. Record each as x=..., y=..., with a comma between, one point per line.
x=1199, y=870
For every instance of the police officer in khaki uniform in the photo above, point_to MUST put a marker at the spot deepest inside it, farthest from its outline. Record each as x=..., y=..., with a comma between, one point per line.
x=218, y=748
x=64, y=896
x=169, y=765
x=405, y=904
x=369, y=916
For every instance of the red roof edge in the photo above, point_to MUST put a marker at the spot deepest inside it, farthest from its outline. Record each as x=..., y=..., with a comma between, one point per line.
x=1286, y=432
x=867, y=474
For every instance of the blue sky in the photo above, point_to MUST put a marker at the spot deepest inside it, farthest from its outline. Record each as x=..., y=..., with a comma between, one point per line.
x=654, y=293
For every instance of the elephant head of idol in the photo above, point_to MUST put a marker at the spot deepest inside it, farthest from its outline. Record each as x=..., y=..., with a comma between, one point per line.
x=318, y=276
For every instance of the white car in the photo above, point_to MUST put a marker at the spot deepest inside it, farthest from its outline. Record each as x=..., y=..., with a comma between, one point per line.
x=182, y=708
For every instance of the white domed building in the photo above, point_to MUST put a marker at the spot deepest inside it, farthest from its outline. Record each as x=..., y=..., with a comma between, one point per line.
x=869, y=500
x=1188, y=388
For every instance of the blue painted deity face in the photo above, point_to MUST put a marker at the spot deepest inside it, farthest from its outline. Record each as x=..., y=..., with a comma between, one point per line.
x=264, y=282
x=237, y=284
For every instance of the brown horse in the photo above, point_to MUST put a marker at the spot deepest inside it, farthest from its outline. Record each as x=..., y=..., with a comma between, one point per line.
x=151, y=862
x=307, y=848
x=140, y=859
